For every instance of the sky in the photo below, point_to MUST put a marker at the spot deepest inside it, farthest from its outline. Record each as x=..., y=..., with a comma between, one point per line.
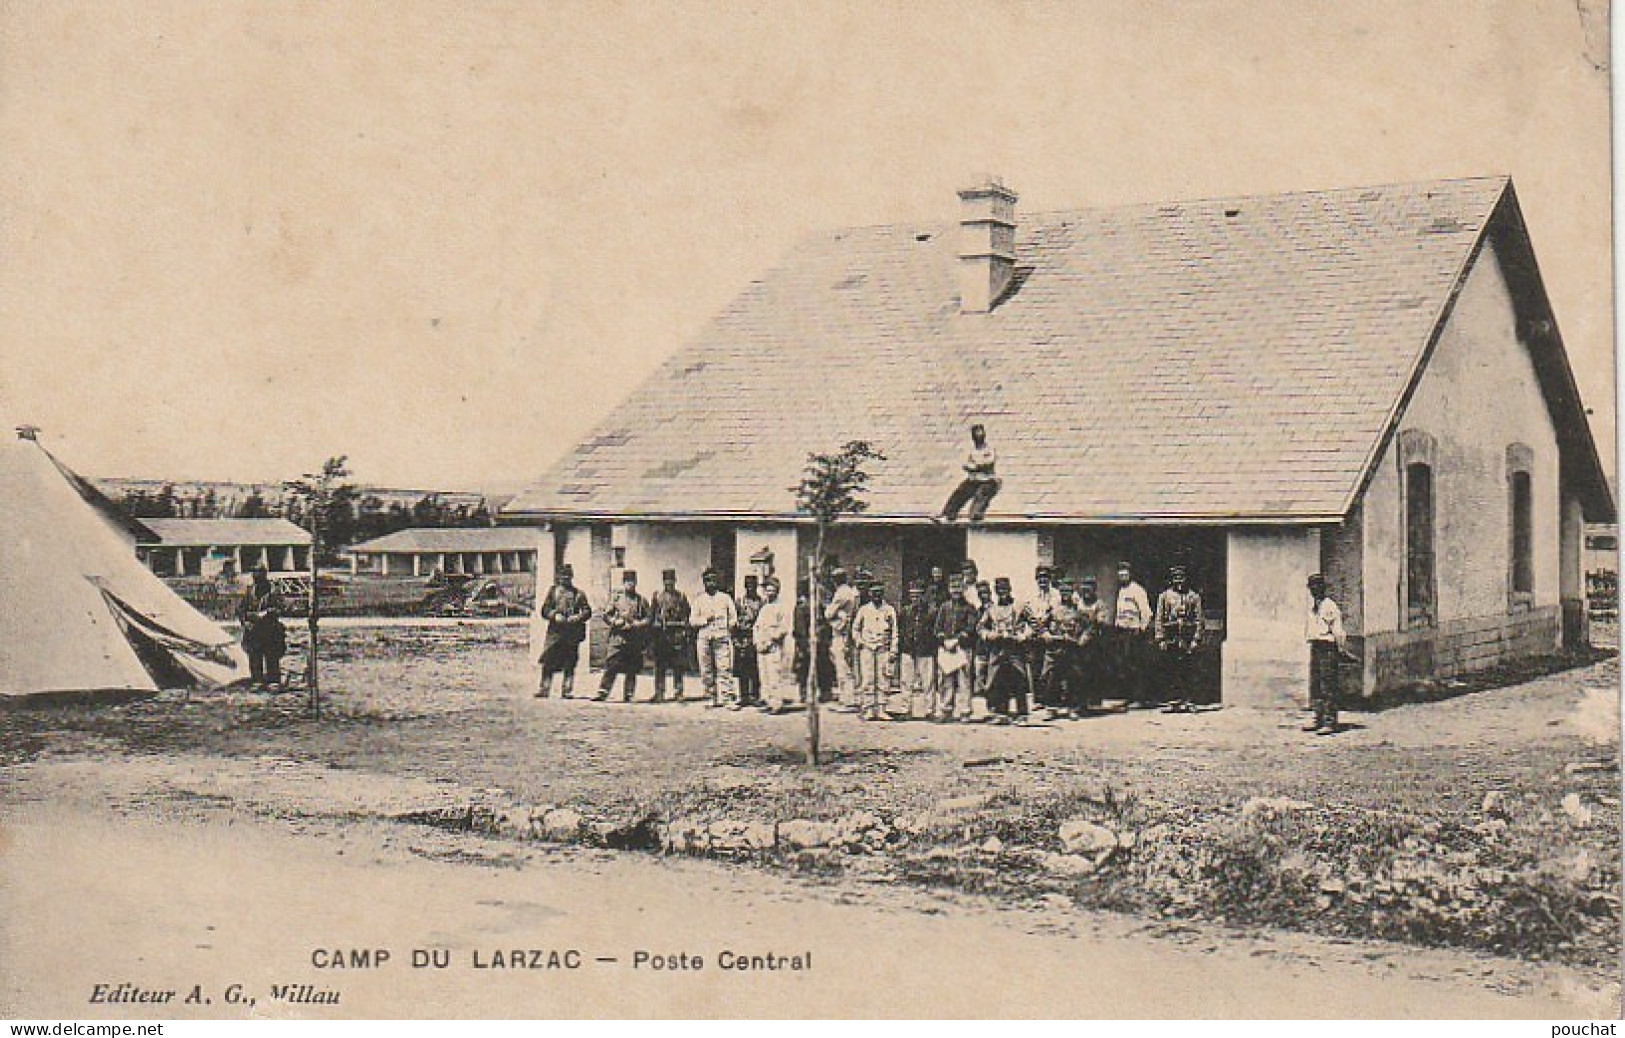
x=445, y=238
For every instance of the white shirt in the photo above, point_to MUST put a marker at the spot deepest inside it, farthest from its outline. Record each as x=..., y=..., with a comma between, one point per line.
x=714, y=612
x=772, y=626
x=876, y=627
x=979, y=463
x=1324, y=623
x=1133, y=608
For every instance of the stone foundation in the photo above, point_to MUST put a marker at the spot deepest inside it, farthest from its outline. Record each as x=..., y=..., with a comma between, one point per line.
x=1397, y=658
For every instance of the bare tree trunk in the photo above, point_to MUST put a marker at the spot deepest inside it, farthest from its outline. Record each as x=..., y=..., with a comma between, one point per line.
x=814, y=611
x=313, y=603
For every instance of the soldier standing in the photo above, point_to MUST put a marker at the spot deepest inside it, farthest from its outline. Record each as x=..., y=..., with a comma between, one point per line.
x=1130, y=620
x=670, y=636
x=877, y=634
x=1005, y=635
x=628, y=618
x=840, y=612
x=984, y=601
x=956, y=648
x=1091, y=645
x=821, y=679
x=1062, y=636
x=771, y=638
x=566, y=611
x=918, y=648
x=264, y=639
x=1041, y=659
x=1179, y=635
x=746, y=672
x=713, y=618
x=1327, y=643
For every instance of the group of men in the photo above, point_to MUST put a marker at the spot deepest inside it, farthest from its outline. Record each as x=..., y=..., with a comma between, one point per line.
x=744, y=649
x=1061, y=653
x=956, y=638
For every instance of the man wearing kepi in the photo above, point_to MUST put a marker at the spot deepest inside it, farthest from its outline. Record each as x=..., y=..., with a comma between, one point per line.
x=669, y=636
x=746, y=673
x=713, y=619
x=1327, y=644
x=628, y=618
x=956, y=644
x=918, y=650
x=566, y=611
x=1179, y=634
x=877, y=634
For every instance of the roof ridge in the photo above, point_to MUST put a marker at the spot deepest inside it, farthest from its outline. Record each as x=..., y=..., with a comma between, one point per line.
x=1500, y=179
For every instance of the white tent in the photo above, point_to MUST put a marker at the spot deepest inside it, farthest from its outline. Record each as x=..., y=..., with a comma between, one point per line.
x=78, y=611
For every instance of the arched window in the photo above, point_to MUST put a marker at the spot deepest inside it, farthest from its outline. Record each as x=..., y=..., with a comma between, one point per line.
x=1520, y=527
x=1418, y=576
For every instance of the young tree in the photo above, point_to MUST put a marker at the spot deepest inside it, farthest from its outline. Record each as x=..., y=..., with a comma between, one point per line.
x=832, y=485
x=319, y=496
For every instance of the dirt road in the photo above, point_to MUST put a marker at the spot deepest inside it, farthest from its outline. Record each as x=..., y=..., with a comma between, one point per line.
x=88, y=899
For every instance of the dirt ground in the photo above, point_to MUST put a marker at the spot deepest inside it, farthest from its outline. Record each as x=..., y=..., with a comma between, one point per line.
x=1487, y=823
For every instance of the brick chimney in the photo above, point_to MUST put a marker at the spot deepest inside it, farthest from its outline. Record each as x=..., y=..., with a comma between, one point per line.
x=987, y=244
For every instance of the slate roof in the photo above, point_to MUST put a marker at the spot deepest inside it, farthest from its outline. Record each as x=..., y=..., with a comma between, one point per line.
x=1216, y=360
x=450, y=539
x=193, y=533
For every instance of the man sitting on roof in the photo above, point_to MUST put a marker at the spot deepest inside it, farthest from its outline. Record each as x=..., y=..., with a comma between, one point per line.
x=979, y=485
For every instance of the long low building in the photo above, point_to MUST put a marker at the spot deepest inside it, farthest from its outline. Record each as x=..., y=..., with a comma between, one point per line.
x=421, y=551
x=215, y=547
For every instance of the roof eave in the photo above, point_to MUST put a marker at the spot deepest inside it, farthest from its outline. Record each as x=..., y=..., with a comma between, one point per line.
x=531, y=517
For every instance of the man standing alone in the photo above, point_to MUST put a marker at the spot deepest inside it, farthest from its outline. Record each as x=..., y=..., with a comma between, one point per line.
x=1327, y=644
x=979, y=485
x=264, y=639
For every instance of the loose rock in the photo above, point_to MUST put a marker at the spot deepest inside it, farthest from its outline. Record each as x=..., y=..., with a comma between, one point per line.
x=561, y=824
x=1079, y=836
x=802, y=833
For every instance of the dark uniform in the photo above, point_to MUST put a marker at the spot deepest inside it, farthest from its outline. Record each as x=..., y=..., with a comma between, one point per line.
x=1179, y=634
x=1062, y=637
x=628, y=618
x=747, y=669
x=1042, y=650
x=264, y=640
x=566, y=611
x=801, y=633
x=955, y=630
x=1004, y=635
x=669, y=636
x=1092, y=663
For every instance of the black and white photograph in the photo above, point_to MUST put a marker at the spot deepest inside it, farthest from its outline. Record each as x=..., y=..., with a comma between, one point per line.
x=966, y=509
